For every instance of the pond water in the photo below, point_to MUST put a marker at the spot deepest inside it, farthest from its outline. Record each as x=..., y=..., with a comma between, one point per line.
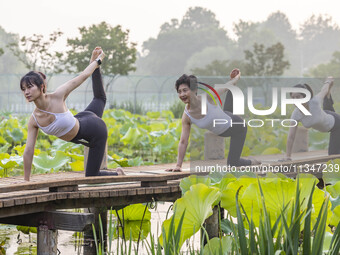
x=19, y=244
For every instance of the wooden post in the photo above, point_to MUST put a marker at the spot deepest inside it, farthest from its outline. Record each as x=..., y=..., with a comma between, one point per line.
x=89, y=243
x=104, y=162
x=47, y=241
x=214, y=147
x=301, y=140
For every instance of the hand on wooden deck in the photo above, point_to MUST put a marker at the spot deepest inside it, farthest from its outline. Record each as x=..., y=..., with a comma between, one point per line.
x=176, y=169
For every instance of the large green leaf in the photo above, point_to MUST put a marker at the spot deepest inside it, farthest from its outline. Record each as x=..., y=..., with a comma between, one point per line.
x=132, y=229
x=217, y=246
x=44, y=162
x=334, y=190
x=187, y=182
x=197, y=206
x=132, y=137
x=335, y=218
x=277, y=192
x=15, y=135
x=134, y=212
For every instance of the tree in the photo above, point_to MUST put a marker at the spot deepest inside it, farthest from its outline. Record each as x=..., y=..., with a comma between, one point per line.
x=266, y=61
x=320, y=39
x=1, y=51
x=178, y=41
x=120, y=54
x=9, y=63
x=276, y=28
x=219, y=68
x=331, y=68
x=36, y=53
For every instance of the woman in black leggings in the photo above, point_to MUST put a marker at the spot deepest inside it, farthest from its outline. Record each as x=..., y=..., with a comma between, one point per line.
x=53, y=118
x=186, y=87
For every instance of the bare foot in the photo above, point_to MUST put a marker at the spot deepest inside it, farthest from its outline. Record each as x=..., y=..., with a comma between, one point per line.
x=120, y=171
x=330, y=81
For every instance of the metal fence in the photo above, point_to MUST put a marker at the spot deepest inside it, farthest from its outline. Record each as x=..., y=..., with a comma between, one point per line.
x=151, y=93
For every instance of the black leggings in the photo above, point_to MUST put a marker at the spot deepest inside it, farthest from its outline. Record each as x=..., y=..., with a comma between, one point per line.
x=237, y=134
x=334, y=143
x=92, y=129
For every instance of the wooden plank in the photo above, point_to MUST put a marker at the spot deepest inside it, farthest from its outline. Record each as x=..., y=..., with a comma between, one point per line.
x=153, y=184
x=8, y=202
x=91, y=180
x=61, y=195
x=30, y=200
x=64, y=188
x=141, y=191
x=132, y=192
x=54, y=220
x=46, y=198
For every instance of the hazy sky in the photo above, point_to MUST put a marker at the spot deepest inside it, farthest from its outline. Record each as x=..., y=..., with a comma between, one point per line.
x=143, y=18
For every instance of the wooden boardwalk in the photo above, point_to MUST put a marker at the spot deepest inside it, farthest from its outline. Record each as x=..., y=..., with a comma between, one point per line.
x=67, y=190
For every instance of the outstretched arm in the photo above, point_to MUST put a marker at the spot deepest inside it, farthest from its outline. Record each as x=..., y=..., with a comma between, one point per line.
x=32, y=134
x=64, y=90
x=183, y=143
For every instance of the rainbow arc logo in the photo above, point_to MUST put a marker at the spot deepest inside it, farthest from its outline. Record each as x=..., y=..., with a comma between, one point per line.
x=210, y=94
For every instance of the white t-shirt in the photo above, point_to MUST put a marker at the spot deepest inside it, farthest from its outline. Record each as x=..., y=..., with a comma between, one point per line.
x=319, y=119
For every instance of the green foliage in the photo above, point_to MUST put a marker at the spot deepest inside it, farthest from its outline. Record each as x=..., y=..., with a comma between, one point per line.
x=331, y=68
x=198, y=30
x=26, y=230
x=320, y=39
x=1, y=51
x=177, y=108
x=36, y=53
x=134, y=212
x=9, y=62
x=120, y=54
x=265, y=61
x=220, y=68
x=191, y=211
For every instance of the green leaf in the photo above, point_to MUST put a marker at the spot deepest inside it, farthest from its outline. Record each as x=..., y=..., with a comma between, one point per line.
x=46, y=163
x=77, y=165
x=187, y=182
x=153, y=115
x=133, y=136
x=218, y=246
x=134, y=212
x=26, y=230
x=334, y=190
x=335, y=218
x=197, y=205
x=271, y=151
x=132, y=229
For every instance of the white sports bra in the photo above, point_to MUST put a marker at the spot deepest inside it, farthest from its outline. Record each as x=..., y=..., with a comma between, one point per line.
x=207, y=122
x=62, y=124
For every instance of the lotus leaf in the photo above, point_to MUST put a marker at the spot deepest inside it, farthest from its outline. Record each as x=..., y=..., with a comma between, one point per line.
x=197, y=206
x=45, y=163
x=134, y=213
x=213, y=246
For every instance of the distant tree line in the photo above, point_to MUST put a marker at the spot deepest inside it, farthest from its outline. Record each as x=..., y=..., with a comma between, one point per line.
x=197, y=43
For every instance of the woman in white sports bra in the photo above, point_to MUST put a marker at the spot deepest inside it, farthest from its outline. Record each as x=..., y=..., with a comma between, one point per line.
x=53, y=118
x=323, y=120
x=186, y=87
